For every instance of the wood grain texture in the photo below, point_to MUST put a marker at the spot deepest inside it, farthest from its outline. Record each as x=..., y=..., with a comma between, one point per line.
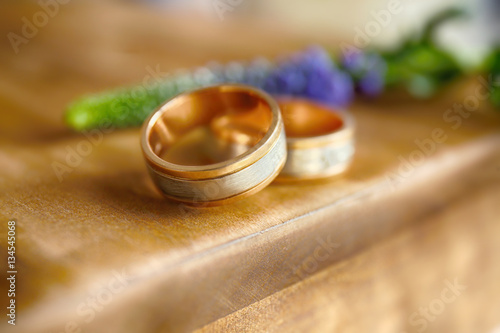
x=381, y=289
x=186, y=268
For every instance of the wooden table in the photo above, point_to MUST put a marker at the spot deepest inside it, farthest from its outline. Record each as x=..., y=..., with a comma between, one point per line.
x=99, y=250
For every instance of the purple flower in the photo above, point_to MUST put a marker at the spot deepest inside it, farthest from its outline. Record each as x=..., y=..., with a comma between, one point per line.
x=353, y=62
x=372, y=84
x=367, y=70
x=287, y=78
x=314, y=57
x=334, y=88
x=311, y=74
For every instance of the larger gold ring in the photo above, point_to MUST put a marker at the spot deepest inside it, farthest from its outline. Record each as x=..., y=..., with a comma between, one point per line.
x=191, y=163
x=320, y=141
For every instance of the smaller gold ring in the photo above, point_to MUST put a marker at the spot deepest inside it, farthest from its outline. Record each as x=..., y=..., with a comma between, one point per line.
x=320, y=141
x=214, y=145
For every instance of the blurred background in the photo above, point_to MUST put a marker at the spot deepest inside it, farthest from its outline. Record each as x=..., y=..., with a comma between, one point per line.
x=117, y=43
x=324, y=20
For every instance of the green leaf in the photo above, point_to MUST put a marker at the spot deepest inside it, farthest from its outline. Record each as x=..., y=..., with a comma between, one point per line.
x=125, y=107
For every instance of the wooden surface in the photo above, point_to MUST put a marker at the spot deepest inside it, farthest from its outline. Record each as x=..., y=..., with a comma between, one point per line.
x=347, y=298
x=188, y=268
x=411, y=270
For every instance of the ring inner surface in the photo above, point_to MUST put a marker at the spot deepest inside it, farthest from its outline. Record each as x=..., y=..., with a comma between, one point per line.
x=303, y=119
x=209, y=127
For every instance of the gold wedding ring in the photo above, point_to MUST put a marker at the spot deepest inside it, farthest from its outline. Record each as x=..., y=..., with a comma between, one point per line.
x=214, y=145
x=320, y=142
